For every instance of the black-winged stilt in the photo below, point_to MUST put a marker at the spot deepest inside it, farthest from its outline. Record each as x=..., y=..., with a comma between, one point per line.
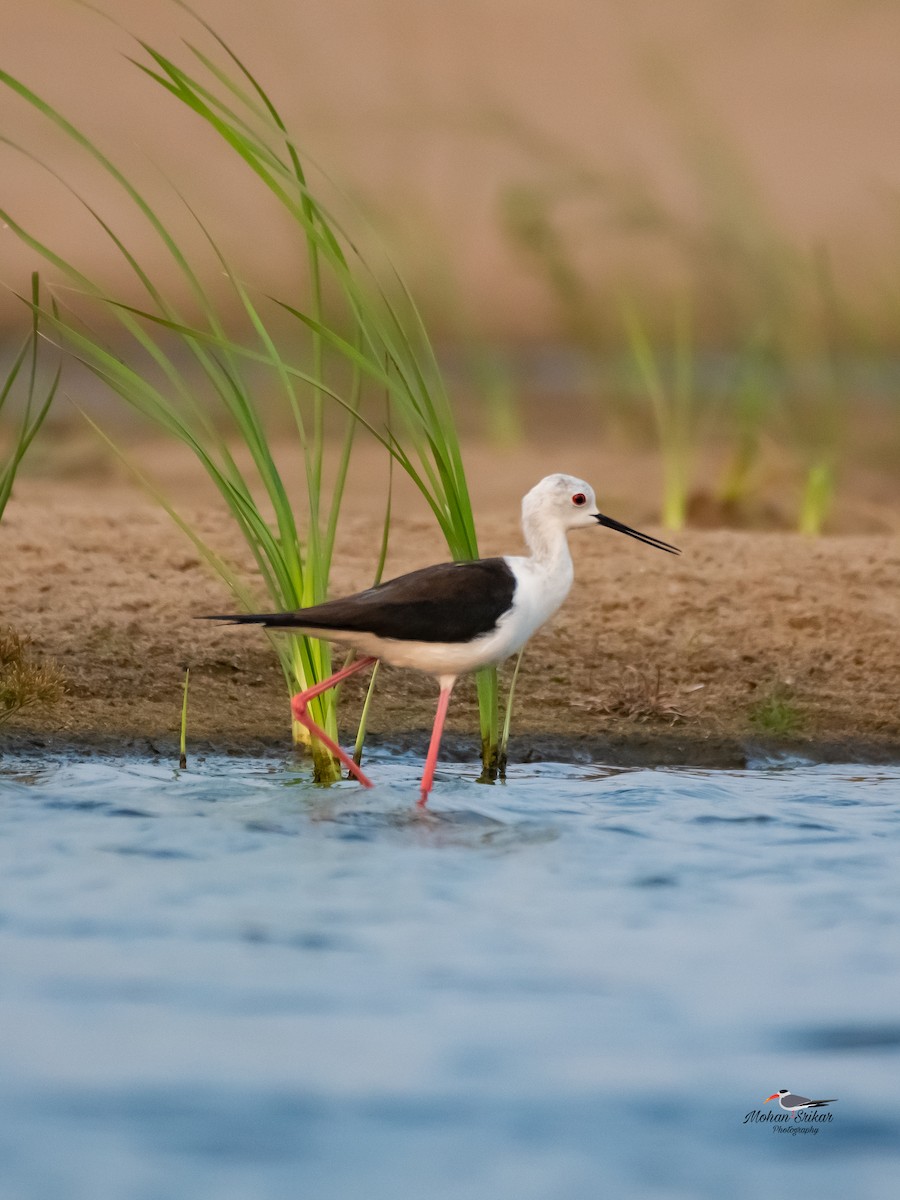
x=793, y=1104
x=456, y=617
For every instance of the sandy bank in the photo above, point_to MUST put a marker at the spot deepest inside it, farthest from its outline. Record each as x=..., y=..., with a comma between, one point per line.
x=748, y=640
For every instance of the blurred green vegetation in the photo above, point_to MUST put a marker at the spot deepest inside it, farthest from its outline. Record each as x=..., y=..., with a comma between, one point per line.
x=682, y=319
x=754, y=343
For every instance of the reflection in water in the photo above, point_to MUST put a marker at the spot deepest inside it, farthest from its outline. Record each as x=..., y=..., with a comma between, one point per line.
x=225, y=982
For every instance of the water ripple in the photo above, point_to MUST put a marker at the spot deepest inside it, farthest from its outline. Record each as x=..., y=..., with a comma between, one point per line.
x=226, y=981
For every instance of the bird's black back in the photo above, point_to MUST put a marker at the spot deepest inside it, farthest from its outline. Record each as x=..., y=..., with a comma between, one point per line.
x=450, y=602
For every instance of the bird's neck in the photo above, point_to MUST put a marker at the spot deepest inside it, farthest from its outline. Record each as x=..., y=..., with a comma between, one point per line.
x=549, y=547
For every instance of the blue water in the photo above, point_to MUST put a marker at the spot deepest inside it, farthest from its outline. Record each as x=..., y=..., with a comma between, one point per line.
x=225, y=983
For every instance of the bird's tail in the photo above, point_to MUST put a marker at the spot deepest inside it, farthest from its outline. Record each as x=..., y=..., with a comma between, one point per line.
x=275, y=620
x=819, y=1103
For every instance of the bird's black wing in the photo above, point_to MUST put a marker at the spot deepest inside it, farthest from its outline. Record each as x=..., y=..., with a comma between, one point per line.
x=450, y=602
x=793, y=1101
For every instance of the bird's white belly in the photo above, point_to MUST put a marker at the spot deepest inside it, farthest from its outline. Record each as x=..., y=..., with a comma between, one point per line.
x=434, y=658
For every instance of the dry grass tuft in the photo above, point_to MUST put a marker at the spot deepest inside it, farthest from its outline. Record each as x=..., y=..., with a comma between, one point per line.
x=25, y=683
x=639, y=695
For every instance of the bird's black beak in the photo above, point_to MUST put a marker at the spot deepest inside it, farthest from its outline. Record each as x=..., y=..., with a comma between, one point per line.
x=641, y=537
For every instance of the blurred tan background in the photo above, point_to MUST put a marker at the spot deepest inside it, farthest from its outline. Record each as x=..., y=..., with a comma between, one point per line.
x=642, y=146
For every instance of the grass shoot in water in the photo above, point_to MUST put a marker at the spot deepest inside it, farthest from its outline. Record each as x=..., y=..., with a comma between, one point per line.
x=182, y=759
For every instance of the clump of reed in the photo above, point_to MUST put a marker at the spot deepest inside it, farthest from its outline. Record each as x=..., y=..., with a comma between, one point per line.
x=24, y=681
x=354, y=346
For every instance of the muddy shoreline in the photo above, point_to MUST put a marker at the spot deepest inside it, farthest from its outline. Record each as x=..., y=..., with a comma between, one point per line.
x=631, y=751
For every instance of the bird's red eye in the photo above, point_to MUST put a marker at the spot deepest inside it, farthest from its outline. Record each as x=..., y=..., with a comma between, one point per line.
x=579, y=498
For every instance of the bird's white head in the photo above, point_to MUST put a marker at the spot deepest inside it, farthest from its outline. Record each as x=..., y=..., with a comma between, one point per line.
x=560, y=500
x=563, y=502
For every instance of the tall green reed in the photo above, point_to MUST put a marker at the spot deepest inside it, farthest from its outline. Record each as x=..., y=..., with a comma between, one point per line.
x=823, y=437
x=752, y=395
x=671, y=390
x=37, y=399
x=376, y=341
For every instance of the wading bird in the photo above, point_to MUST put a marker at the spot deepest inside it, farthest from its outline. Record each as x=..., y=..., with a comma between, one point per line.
x=453, y=618
x=793, y=1104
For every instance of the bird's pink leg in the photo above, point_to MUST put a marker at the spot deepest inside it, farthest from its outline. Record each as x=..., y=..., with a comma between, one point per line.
x=434, y=746
x=301, y=716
